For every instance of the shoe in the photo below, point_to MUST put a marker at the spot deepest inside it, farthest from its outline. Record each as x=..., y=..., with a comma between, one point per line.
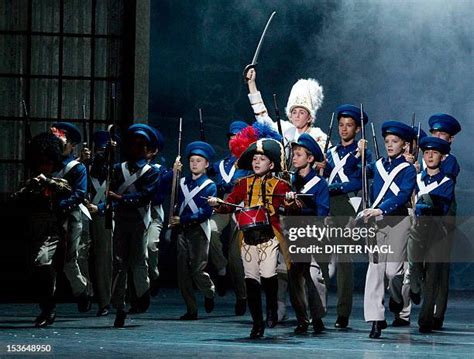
x=318, y=326
x=341, y=322
x=221, y=285
x=437, y=323
x=240, y=307
x=154, y=287
x=301, y=328
x=189, y=316
x=120, y=318
x=257, y=330
x=399, y=322
x=377, y=327
x=415, y=297
x=394, y=306
x=84, y=302
x=425, y=329
x=135, y=310
x=104, y=311
x=209, y=304
x=45, y=319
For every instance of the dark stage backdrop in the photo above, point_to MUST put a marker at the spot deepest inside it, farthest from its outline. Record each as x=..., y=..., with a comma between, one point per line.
x=396, y=57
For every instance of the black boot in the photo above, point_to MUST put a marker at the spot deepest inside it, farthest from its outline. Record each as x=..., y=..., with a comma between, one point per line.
x=377, y=327
x=45, y=318
x=120, y=318
x=141, y=304
x=254, y=298
x=84, y=302
x=270, y=285
x=394, y=306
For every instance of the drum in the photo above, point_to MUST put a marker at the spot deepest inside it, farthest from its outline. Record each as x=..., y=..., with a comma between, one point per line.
x=254, y=222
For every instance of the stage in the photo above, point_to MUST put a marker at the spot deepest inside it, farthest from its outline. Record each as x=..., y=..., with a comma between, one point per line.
x=158, y=333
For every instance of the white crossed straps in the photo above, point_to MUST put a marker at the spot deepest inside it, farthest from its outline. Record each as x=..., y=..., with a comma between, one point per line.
x=310, y=184
x=99, y=190
x=63, y=173
x=227, y=177
x=425, y=189
x=338, y=166
x=128, y=185
x=189, y=201
x=388, y=180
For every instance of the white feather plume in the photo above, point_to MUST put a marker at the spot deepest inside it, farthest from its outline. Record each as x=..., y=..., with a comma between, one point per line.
x=306, y=93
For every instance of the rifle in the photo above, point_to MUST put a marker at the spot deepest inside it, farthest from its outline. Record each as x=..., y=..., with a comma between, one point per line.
x=376, y=145
x=365, y=197
x=201, y=126
x=413, y=119
x=85, y=142
x=280, y=131
x=28, y=136
x=365, y=187
x=176, y=177
x=328, y=140
x=416, y=150
x=110, y=155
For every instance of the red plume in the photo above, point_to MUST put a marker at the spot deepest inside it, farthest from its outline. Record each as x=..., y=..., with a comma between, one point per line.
x=243, y=140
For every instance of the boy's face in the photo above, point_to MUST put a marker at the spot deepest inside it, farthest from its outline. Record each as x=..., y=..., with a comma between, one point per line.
x=394, y=145
x=300, y=117
x=198, y=164
x=261, y=164
x=151, y=154
x=432, y=158
x=347, y=128
x=301, y=158
x=68, y=148
x=443, y=135
x=138, y=148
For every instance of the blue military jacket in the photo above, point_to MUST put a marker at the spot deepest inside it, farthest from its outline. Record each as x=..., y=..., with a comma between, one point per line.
x=204, y=211
x=318, y=204
x=349, y=177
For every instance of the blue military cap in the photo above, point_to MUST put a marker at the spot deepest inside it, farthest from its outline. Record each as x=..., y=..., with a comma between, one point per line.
x=308, y=142
x=435, y=143
x=444, y=122
x=399, y=129
x=200, y=148
x=101, y=138
x=72, y=131
x=148, y=132
x=160, y=139
x=351, y=111
x=235, y=127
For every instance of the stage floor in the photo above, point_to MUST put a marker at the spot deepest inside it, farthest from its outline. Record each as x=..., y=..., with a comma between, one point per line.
x=158, y=333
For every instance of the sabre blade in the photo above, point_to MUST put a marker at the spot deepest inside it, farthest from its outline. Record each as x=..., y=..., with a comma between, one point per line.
x=260, y=42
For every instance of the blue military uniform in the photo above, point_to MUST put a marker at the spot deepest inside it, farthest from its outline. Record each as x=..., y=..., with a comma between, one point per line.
x=153, y=232
x=449, y=166
x=392, y=186
x=135, y=181
x=194, y=233
x=76, y=174
x=344, y=175
x=100, y=236
x=225, y=175
x=428, y=245
x=309, y=273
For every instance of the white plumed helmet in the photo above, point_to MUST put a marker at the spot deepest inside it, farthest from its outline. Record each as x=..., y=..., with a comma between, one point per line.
x=306, y=93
